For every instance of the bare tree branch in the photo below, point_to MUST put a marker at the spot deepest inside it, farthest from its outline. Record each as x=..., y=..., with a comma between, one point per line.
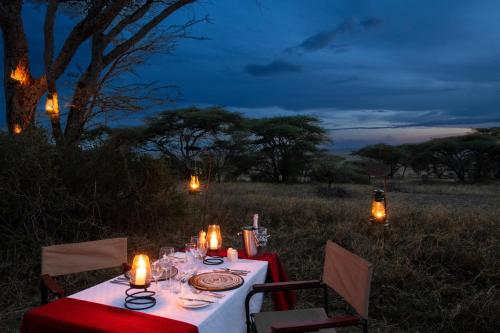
x=144, y=30
x=129, y=19
x=94, y=20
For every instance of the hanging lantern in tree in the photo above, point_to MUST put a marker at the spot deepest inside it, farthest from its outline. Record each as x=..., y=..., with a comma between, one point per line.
x=17, y=129
x=194, y=184
x=379, y=208
x=52, y=104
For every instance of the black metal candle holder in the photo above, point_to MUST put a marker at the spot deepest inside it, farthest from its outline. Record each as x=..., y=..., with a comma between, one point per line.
x=213, y=260
x=139, y=298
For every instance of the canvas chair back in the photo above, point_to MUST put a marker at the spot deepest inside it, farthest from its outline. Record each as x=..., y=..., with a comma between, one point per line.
x=86, y=256
x=349, y=275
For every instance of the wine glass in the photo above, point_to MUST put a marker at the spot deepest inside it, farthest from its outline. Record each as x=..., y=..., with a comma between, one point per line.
x=166, y=252
x=156, y=272
x=202, y=249
x=190, y=249
x=167, y=265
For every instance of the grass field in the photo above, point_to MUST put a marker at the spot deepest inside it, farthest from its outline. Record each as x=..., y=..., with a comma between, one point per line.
x=437, y=268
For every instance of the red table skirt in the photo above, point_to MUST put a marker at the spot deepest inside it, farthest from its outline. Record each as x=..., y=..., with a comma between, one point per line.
x=76, y=316
x=283, y=300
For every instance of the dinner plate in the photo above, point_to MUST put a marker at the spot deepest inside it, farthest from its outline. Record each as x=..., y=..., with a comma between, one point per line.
x=192, y=304
x=216, y=281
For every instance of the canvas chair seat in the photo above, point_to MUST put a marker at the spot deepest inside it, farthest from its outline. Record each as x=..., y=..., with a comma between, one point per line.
x=264, y=320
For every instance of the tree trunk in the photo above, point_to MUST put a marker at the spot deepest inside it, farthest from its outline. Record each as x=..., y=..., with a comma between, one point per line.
x=78, y=111
x=22, y=91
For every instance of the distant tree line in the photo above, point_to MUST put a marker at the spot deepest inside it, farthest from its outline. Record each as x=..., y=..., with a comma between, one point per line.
x=277, y=149
x=229, y=147
x=471, y=157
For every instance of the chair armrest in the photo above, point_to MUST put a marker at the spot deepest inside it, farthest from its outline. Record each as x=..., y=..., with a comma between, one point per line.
x=312, y=326
x=52, y=285
x=291, y=285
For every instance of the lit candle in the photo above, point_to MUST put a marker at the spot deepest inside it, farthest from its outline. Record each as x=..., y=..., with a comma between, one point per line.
x=140, y=273
x=140, y=276
x=214, y=244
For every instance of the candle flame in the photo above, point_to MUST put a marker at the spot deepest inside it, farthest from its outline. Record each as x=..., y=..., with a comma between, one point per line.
x=20, y=74
x=378, y=210
x=140, y=262
x=17, y=129
x=52, y=105
x=194, y=184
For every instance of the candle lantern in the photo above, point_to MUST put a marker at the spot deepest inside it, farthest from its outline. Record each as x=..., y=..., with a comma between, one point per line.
x=194, y=185
x=214, y=237
x=379, y=208
x=140, y=278
x=140, y=274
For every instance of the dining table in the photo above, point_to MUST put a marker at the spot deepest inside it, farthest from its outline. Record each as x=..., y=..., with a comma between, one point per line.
x=101, y=308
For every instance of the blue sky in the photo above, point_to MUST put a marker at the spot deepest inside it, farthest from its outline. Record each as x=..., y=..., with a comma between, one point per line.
x=385, y=71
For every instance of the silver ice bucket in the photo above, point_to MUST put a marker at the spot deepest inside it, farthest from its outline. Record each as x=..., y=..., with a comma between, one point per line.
x=254, y=240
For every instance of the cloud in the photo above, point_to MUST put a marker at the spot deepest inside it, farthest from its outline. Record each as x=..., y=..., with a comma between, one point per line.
x=278, y=66
x=325, y=38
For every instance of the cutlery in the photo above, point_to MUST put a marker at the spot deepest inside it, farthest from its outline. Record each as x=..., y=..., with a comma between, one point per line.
x=208, y=293
x=236, y=270
x=119, y=282
x=196, y=300
x=231, y=271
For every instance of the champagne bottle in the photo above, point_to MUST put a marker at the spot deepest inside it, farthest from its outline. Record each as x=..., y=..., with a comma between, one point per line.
x=255, y=221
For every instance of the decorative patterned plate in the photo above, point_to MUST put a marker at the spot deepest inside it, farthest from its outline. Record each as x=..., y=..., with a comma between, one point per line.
x=216, y=281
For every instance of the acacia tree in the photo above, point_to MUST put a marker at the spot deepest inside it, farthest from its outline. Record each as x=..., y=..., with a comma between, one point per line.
x=181, y=134
x=110, y=25
x=391, y=156
x=285, y=144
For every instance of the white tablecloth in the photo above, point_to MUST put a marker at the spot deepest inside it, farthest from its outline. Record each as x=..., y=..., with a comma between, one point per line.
x=227, y=315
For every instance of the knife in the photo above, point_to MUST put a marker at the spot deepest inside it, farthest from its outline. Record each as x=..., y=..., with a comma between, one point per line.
x=196, y=300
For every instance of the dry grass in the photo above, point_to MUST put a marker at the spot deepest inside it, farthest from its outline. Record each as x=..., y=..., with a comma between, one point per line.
x=436, y=268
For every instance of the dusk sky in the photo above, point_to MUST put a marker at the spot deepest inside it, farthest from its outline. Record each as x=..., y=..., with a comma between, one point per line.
x=372, y=71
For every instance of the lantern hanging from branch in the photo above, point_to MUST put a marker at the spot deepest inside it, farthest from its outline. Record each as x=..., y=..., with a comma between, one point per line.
x=52, y=105
x=140, y=274
x=379, y=208
x=194, y=184
x=214, y=237
x=17, y=129
x=20, y=74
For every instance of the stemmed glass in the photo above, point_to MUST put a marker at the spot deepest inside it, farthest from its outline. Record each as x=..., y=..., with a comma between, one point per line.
x=191, y=249
x=166, y=252
x=156, y=272
x=202, y=249
x=166, y=261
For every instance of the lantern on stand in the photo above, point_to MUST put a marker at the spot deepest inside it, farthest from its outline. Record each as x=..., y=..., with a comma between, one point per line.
x=194, y=184
x=379, y=208
x=140, y=278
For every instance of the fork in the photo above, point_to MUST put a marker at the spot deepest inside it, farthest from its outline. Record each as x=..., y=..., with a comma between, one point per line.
x=208, y=293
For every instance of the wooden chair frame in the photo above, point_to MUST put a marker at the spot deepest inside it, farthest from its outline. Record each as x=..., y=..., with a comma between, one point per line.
x=306, y=326
x=50, y=287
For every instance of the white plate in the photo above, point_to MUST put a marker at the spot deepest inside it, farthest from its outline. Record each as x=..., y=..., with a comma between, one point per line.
x=191, y=304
